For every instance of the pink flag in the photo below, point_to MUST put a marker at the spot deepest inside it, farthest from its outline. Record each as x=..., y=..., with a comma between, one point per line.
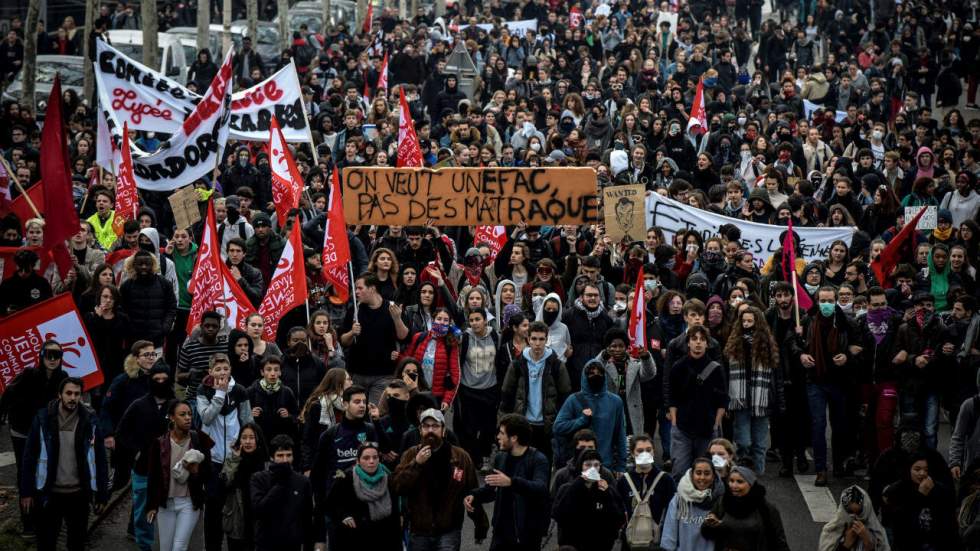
x=287, y=288
x=409, y=151
x=23, y=333
x=803, y=301
x=638, y=317
x=287, y=184
x=212, y=286
x=336, y=248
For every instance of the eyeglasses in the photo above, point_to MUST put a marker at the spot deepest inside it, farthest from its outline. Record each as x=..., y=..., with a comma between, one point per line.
x=148, y=355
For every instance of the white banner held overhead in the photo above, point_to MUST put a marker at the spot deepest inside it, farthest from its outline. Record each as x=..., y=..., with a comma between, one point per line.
x=194, y=150
x=762, y=240
x=147, y=100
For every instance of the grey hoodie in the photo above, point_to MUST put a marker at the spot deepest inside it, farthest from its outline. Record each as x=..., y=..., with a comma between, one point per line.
x=167, y=268
x=559, y=339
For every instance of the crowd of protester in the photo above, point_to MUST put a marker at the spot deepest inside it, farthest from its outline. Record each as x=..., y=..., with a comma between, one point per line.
x=505, y=389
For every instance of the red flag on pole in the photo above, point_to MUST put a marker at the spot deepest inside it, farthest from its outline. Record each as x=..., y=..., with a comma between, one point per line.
x=336, y=248
x=23, y=333
x=892, y=253
x=698, y=120
x=495, y=236
x=127, y=199
x=212, y=286
x=383, y=74
x=409, y=152
x=60, y=218
x=21, y=207
x=287, y=288
x=287, y=184
x=638, y=317
x=800, y=295
x=369, y=17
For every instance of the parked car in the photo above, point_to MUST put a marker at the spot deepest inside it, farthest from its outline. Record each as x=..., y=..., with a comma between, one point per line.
x=71, y=68
x=173, y=62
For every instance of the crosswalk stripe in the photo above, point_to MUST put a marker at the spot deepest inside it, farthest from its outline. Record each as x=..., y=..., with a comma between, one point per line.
x=819, y=501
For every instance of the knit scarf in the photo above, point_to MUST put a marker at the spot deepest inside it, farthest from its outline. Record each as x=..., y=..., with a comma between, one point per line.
x=270, y=388
x=748, y=388
x=820, y=353
x=373, y=490
x=591, y=314
x=329, y=406
x=688, y=495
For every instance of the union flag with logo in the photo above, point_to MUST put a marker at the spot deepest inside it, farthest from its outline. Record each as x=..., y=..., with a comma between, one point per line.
x=23, y=333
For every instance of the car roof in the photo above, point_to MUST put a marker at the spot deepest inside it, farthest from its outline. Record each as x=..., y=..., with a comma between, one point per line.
x=129, y=36
x=63, y=59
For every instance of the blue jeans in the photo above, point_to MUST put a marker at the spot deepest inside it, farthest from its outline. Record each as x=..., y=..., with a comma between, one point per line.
x=752, y=438
x=924, y=407
x=820, y=397
x=142, y=529
x=450, y=541
x=684, y=449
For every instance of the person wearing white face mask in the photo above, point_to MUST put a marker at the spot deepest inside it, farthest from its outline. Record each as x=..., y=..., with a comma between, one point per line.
x=588, y=510
x=643, y=484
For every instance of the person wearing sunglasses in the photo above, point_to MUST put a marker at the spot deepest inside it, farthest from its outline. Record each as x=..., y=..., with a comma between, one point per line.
x=30, y=391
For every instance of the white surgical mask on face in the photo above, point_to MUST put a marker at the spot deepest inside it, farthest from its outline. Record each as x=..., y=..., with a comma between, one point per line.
x=592, y=474
x=644, y=458
x=718, y=461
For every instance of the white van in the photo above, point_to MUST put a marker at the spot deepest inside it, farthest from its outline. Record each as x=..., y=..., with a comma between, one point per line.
x=173, y=61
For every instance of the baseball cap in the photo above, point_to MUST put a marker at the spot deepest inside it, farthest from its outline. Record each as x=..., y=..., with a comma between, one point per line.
x=433, y=413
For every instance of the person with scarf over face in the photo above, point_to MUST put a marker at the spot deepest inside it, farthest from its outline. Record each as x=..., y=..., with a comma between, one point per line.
x=917, y=350
x=855, y=527
x=364, y=506
x=550, y=313
x=681, y=528
x=597, y=408
x=879, y=393
x=244, y=363
x=438, y=351
x=743, y=519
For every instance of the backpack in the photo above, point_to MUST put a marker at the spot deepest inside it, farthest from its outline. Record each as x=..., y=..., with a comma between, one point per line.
x=642, y=530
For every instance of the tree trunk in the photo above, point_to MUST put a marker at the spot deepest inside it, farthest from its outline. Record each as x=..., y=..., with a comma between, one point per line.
x=415, y=9
x=148, y=18
x=203, y=26
x=89, y=82
x=326, y=17
x=252, y=14
x=226, y=28
x=440, y=8
x=402, y=9
x=285, y=37
x=30, y=57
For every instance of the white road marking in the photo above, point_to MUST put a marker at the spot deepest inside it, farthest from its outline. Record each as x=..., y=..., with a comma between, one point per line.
x=7, y=459
x=819, y=501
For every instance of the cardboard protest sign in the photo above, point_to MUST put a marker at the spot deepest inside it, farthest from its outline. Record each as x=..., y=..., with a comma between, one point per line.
x=928, y=220
x=183, y=202
x=623, y=209
x=470, y=196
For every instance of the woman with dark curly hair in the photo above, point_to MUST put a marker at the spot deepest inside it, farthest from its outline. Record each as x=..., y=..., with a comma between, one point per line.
x=755, y=385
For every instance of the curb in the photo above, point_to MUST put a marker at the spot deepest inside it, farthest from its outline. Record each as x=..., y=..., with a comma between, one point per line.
x=10, y=525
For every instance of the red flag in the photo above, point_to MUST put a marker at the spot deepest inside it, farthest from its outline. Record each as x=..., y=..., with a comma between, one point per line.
x=117, y=261
x=287, y=184
x=23, y=333
x=638, y=316
x=60, y=218
x=287, y=288
x=370, y=16
x=127, y=199
x=495, y=236
x=336, y=248
x=409, y=152
x=383, y=74
x=698, y=116
x=892, y=252
x=802, y=298
x=212, y=286
x=22, y=208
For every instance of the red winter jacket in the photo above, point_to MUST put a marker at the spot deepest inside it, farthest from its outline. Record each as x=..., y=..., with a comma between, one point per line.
x=445, y=372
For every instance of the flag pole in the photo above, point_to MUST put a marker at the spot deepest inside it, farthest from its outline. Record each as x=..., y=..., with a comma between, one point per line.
x=20, y=188
x=796, y=297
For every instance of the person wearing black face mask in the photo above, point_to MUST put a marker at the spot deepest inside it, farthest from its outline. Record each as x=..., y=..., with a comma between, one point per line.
x=145, y=420
x=394, y=421
x=597, y=408
x=301, y=371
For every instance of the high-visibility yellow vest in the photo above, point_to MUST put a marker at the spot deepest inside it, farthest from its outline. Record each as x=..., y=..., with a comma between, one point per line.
x=104, y=232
